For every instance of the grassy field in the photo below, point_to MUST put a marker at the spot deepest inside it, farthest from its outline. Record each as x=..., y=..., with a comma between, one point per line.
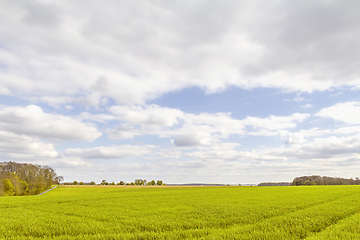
x=316, y=212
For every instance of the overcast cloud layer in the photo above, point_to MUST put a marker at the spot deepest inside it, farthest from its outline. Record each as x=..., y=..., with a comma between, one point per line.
x=183, y=91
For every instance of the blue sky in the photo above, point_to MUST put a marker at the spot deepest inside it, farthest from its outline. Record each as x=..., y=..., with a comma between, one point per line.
x=182, y=91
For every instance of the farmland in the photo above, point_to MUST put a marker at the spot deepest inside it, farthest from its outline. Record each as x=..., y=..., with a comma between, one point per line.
x=309, y=212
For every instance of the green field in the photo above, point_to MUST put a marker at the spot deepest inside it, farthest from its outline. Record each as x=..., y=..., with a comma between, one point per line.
x=309, y=212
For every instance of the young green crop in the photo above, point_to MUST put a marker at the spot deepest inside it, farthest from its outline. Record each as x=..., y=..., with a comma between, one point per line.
x=316, y=212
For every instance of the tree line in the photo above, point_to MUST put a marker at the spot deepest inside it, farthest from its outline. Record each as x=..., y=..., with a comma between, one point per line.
x=18, y=179
x=319, y=180
x=315, y=180
x=138, y=182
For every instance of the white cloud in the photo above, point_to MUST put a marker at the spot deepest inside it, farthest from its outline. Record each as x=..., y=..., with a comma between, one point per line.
x=336, y=94
x=69, y=107
x=69, y=162
x=194, y=129
x=32, y=121
x=299, y=99
x=149, y=117
x=319, y=148
x=348, y=112
x=91, y=100
x=102, y=118
x=4, y=91
x=113, y=152
x=316, y=132
x=56, y=101
x=22, y=147
x=276, y=122
x=296, y=99
x=226, y=151
x=339, y=161
x=328, y=147
x=122, y=132
x=347, y=130
x=292, y=138
x=334, y=146
x=307, y=106
x=186, y=165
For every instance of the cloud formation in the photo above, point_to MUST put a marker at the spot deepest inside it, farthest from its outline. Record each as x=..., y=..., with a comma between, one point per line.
x=113, y=152
x=32, y=121
x=193, y=129
x=208, y=45
x=21, y=147
x=348, y=112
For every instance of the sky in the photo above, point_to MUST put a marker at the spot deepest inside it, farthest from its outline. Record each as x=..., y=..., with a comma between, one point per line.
x=181, y=91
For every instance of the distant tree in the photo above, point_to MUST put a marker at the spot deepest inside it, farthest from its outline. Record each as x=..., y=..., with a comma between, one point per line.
x=17, y=185
x=159, y=182
x=92, y=183
x=152, y=182
x=112, y=183
x=1, y=187
x=132, y=183
x=104, y=182
x=140, y=181
x=8, y=187
x=25, y=187
x=59, y=179
x=121, y=183
x=75, y=183
x=357, y=181
x=81, y=183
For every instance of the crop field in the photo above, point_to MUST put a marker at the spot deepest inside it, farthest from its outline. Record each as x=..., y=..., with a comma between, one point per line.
x=311, y=212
